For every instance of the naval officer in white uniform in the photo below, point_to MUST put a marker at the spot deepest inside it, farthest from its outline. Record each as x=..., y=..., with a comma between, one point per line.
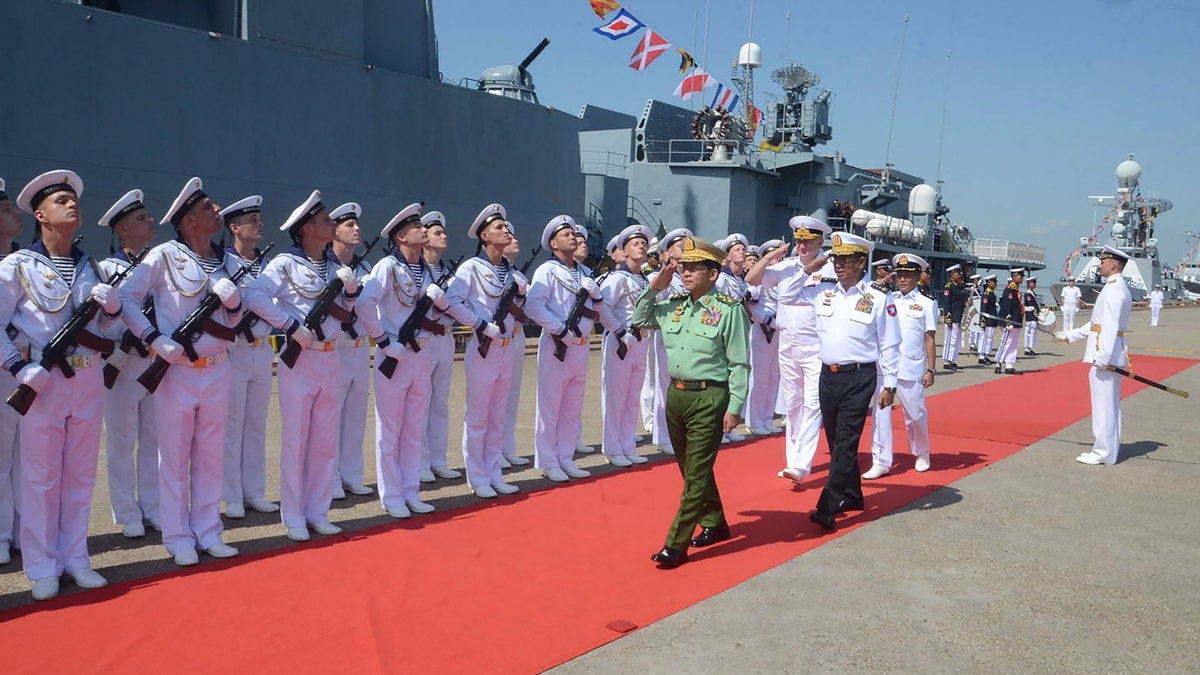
x=621, y=377
x=508, y=454
x=1156, y=305
x=764, y=354
x=1069, y=302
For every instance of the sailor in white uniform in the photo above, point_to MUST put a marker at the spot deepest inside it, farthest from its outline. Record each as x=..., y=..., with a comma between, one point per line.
x=390, y=296
x=192, y=401
x=509, y=457
x=441, y=348
x=40, y=288
x=764, y=354
x=1070, y=304
x=731, y=281
x=799, y=346
x=621, y=375
x=10, y=228
x=474, y=296
x=252, y=362
x=917, y=318
x=670, y=247
x=130, y=423
x=581, y=255
x=1156, y=305
x=309, y=403
x=1105, y=335
x=646, y=399
x=553, y=291
x=354, y=352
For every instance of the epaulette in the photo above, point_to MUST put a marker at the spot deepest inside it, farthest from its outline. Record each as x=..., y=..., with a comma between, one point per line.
x=727, y=299
x=1012, y=286
x=879, y=287
x=677, y=296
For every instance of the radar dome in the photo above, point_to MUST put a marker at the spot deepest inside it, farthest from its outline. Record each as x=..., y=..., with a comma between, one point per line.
x=922, y=200
x=1128, y=173
x=750, y=55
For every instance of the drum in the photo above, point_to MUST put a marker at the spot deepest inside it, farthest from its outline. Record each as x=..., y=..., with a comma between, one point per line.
x=1046, y=317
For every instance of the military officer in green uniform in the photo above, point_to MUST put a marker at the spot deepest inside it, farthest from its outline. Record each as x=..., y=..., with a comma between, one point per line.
x=706, y=336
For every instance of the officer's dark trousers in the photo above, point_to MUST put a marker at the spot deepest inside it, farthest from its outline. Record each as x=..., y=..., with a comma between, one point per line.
x=694, y=424
x=845, y=404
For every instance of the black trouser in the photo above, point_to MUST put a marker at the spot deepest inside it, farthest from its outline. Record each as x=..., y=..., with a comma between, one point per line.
x=845, y=404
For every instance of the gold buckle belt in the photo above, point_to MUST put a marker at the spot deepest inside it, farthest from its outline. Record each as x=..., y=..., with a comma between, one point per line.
x=256, y=343
x=352, y=343
x=76, y=361
x=696, y=385
x=845, y=367
x=326, y=346
x=1096, y=329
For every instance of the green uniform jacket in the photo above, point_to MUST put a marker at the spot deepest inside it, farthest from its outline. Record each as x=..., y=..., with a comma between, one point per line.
x=705, y=340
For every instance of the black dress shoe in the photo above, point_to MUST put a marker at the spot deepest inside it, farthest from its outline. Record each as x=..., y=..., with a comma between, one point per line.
x=711, y=535
x=997, y=371
x=1011, y=371
x=850, y=504
x=825, y=520
x=668, y=558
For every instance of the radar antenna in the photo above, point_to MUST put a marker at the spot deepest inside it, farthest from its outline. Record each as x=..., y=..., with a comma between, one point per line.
x=800, y=123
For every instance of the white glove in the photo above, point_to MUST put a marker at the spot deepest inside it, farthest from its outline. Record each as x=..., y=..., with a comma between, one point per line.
x=118, y=359
x=438, y=296
x=107, y=297
x=303, y=335
x=34, y=376
x=227, y=291
x=628, y=338
x=492, y=330
x=170, y=350
x=394, y=349
x=522, y=286
x=1060, y=335
x=349, y=281
x=593, y=289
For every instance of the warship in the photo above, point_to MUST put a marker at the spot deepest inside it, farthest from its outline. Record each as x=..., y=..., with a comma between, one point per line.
x=1130, y=226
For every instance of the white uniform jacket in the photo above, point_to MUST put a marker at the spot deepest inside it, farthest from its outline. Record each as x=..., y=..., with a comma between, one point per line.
x=389, y=295
x=794, y=309
x=916, y=315
x=552, y=293
x=289, y=287
x=1105, y=330
x=233, y=263
x=621, y=289
x=475, y=292
x=857, y=325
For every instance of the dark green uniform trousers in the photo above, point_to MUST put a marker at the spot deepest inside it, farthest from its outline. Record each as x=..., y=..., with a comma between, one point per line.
x=694, y=420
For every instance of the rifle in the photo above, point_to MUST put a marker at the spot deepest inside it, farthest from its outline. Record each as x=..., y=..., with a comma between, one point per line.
x=408, y=332
x=55, y=353
x=321, y=309
x=577, y=311
x=502, y=307
x=192, y=326
x=245, y=327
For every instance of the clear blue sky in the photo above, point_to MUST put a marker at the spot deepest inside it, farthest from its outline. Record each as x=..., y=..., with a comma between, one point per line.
x=1044, y=98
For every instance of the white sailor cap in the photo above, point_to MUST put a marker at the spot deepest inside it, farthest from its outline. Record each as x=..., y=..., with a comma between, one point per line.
x=1106, y=252
x=347, y=211
x=845, y=243
x=990, y=277
x=581, y=231
x=907, y=262
x=735, y=238
x=130, y=202
x=975, y=276
x=807, y=227
x=769, y=245
x=1030, y=280
x=409, y=214
x=1015, y=271
x=303, y=213
x=652, y=245
x=613, y=245
x=3, y=194
x=674, y=236
x=752, y=249
x=242, y=207
x=883, y=262
x=488, y=214
x=433, y=218
x=632, y=232
x=954, y=268
x=559, y=222
x=47, y=184
x=192, y=192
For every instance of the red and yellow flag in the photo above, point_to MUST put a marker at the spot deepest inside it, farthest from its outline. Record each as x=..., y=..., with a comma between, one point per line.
x=603, y=7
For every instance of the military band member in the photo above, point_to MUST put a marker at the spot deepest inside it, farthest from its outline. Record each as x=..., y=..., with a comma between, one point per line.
x=925, y=285
x=1156, y=304
x=130, y=423
x=953, y=304
x=884, y=280
x=251, y=362
x=799, y=344
x=860, y=343
x=974, y=330
x=916, y=316
x=40, y=287
x=670, y=247
x=389, y=297
x=1105, y=334
x=732, y=282
x=1070, y=304
x=764, y=354
x=309, y=392
x=621, y=377
x=1012, y=313
x=1032, y=308
x=509, y=457
x=473, y=296
x=705, y=335
x=553, y=291
x=192, y=401
x=10, y=228
x=355, y=354
x=441, y=347
x=987, y=326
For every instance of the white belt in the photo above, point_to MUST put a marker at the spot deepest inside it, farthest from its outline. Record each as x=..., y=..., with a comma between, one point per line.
x=352, y=343
x=76, y=361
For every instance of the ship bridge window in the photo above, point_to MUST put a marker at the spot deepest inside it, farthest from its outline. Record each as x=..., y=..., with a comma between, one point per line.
x=227, y=17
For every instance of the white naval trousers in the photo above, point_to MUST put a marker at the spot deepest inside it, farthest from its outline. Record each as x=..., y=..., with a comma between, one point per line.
x=911, y=395
x=986, y=338
x=130, y=420
x=512, y=406
x=951, y=342
x=799, y=378
x=1006, y=353
x=560, y=389
x=1155, y=310
x=401, y=404
x=60, y=441
x=437, y=418
x=192, y=406
x=621, y=384
x=1105, y=388
x=648, y=401
x=10, y=467
x=764, y=379
x=309, y=407
x=662, y=382
x=245, y=465
x=1031, y=332
x=483, y=424
x=1069, y=312
x=354, y=384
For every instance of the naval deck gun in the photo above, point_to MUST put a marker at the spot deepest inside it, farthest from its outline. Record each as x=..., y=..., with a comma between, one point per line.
x=513, y=81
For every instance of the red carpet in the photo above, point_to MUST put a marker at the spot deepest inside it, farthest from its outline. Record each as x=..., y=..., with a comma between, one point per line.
x=515, y=586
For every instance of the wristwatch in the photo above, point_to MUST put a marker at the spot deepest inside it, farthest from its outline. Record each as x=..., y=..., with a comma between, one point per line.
x=890, y=390
x=931, y=371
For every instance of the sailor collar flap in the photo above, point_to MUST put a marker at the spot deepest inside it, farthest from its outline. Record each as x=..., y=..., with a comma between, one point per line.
x=404, y=285
x=184, y=271
x=562, y=274
x=44, y=285
x=493, y=280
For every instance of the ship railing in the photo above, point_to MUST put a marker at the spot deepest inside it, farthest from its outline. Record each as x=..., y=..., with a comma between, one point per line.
x=1003, y=249
x=603, y=162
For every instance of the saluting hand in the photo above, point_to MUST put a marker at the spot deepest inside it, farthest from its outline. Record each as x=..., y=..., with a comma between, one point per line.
x=663, y=280
x=816, y=264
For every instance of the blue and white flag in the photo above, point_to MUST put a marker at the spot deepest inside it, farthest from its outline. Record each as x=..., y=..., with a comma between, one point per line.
x=622, y=24
x=725, y=97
